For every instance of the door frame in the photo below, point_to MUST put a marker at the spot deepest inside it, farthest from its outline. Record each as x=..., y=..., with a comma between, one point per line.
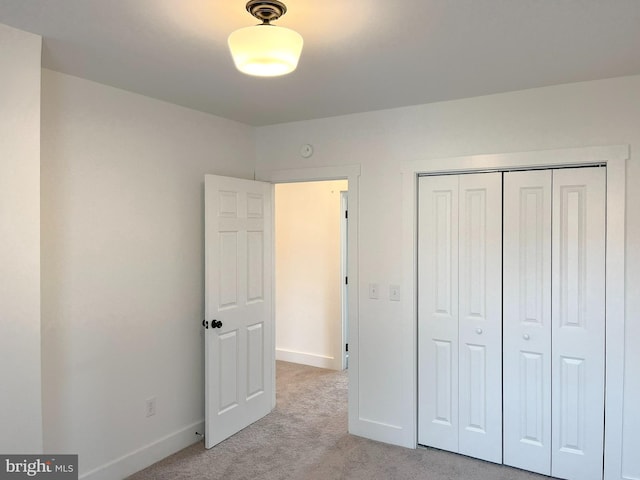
x=344, y=276
x=351, y=173
x=614, y=158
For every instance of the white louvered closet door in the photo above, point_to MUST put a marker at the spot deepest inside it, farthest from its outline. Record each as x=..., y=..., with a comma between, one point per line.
x=527, y=320
x=459, y=314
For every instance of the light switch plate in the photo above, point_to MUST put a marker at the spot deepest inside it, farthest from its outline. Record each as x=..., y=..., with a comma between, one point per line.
x=373, y=291
x=394, y=293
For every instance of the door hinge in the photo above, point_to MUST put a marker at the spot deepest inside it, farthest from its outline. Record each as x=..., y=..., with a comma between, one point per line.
x=346, y=214
x=346, y=347
x=346, y=280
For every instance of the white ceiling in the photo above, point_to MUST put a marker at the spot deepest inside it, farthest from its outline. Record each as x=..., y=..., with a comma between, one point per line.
x=359, y=55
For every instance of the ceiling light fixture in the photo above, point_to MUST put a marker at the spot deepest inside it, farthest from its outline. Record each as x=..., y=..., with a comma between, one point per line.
x=265, y=50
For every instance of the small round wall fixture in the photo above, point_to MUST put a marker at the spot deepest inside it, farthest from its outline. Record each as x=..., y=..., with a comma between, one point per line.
x=306, y=150
x=265, y=50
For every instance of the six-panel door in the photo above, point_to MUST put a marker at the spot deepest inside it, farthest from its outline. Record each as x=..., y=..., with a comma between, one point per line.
x=239, y=350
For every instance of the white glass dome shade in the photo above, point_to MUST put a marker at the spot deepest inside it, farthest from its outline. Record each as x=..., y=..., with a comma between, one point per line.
x=265, y=50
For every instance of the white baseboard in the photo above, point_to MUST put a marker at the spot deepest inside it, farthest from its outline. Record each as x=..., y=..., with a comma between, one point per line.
x=311, y=359
x=381, y=432
x=147, y=455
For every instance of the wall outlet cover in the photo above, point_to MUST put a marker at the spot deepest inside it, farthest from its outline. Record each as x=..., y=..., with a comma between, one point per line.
x=150, y=407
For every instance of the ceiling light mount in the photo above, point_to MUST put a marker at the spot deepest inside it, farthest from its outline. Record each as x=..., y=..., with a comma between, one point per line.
x=266, y=11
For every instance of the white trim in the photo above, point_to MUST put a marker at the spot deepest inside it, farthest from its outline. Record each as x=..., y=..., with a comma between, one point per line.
x=380, y=431
x=352, y=174
x=615, y=313
x=614, y=157
x=147, y=455
x=344, y=275
x=501, y=161
x=306, y=358
x=409, y=319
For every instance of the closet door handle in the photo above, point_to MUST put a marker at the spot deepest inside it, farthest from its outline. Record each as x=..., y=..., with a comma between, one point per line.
x=526, y=336
x=479, y=331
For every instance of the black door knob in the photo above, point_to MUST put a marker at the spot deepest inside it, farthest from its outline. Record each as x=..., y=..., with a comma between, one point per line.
x=214, y=324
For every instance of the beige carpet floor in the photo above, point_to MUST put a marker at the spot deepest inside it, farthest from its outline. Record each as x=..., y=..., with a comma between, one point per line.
x=305, y=438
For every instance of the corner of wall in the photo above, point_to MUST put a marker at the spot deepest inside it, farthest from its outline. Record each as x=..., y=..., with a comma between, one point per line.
x=21, y=399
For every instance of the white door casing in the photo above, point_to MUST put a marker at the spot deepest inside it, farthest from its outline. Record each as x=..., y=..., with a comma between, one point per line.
x=527, y=320
x=239, y=350
x=618, y=465
x=358, y=424
x=578, y=332
x=344, y=273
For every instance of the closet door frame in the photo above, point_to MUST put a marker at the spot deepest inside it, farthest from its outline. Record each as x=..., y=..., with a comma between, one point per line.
x=614, y=158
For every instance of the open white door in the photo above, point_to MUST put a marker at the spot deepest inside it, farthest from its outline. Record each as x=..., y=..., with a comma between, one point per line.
x=239, y=350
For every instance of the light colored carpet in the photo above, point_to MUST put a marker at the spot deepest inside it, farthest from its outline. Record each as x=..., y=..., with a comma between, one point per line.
x=305, y=438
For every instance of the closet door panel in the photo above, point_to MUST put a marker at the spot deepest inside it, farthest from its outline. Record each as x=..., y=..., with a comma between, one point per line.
x=438, y=312
x=527, y=320
x=578, y=332
x=480, y=316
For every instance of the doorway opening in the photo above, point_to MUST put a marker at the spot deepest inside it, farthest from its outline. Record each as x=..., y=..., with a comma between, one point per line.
x=311, y=275
x=352, y=174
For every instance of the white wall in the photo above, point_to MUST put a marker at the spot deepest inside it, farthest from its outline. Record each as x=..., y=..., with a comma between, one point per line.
x=308, y=278
x=122, y=244
x=591, y=113
x=20, y=397
x=123, y=269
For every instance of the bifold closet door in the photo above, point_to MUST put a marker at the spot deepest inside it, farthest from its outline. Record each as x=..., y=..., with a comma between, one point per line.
x=578, y=327
x=554, y=321
x=460, y=314
x=480, y=316
x=527, y=320
x=438, y=312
